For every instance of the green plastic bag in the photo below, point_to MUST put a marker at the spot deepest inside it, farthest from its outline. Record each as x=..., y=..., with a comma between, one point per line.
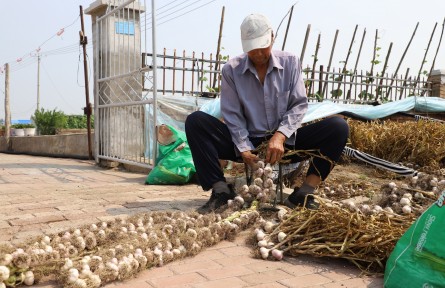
x=174, y=164
x=418, y=259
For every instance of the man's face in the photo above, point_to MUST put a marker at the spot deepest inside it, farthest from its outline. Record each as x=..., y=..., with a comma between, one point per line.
x=260, y=56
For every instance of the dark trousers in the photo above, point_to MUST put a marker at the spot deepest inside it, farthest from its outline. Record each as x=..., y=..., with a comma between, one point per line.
x=210, y=140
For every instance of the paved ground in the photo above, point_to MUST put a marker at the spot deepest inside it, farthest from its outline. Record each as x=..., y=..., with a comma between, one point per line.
x=46, y=195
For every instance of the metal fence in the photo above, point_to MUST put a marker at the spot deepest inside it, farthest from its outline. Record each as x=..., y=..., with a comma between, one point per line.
x=191, y=75
x=186, y=75
x=362, y=87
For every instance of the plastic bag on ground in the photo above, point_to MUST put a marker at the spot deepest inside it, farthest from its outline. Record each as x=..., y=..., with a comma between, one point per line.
x=418, y=259
x=174, y=164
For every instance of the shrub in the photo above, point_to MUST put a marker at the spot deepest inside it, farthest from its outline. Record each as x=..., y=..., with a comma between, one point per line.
x=18, y=126
x=78, y=122
x=49, y=122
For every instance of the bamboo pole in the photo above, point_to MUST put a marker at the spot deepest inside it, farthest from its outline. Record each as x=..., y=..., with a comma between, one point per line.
x=330, y=62
x=404, y=84
x=377, y=90
x=437, y=51
x=287, y=28
x=317, y=47
x=401, y=59
x=438, y=46
x=424, y=57
x=347, y=58
x=356, y=64
x=218, y=49
x=306, y=37
x=371, y=72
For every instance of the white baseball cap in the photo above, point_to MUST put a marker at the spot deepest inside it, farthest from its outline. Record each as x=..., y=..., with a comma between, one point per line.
x=256, y=32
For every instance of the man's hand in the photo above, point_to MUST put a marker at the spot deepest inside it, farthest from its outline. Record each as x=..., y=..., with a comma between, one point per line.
x=275, y=148
x=249, y=158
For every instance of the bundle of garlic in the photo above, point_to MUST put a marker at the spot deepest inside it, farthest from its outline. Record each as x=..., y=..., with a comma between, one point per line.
x=118, y=249
x=266, y=240
x=262, y=189
x=333, y=231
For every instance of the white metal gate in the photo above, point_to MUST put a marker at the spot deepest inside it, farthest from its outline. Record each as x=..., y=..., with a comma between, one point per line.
x=122, y=127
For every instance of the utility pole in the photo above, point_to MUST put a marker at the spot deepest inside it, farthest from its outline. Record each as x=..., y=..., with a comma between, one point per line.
x=38, y=82
x=87, y=110
x=7, y=111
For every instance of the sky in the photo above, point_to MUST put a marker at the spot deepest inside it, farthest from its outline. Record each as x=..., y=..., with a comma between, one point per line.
x=193, y=25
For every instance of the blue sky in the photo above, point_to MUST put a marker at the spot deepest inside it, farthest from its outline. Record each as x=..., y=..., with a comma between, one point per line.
x=194, y=27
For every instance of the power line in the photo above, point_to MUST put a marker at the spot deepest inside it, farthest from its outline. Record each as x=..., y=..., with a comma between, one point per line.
x=150, y=16
x=143, y=30
x=55, y=88
x=36, y=51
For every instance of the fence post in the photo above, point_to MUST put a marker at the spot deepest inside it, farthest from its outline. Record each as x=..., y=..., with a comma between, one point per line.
x=437, y=79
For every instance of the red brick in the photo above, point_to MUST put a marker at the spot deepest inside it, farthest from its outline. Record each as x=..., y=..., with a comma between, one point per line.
x=309, y=280
x=193, y=266
x=226, y=272
x=222, y=283
x=266, y=277
x=36, y=220
x=177, y=280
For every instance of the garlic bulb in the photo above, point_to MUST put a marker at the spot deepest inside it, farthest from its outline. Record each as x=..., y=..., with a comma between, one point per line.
x=264, y=252
x=405, y=201
x=277, y=254
x=281, y=236
x=4, y=273
x=406, y=209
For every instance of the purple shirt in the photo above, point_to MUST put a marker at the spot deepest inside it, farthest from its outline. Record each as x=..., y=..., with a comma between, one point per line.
x=252, y=110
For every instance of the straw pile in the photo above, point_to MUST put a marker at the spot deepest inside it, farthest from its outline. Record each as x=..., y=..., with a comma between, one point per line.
x=420, y=143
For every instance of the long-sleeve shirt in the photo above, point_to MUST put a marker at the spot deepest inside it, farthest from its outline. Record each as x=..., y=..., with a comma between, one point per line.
x=251, y=109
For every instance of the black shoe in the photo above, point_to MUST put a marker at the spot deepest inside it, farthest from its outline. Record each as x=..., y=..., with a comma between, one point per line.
x=216, y=201
x=310, y=202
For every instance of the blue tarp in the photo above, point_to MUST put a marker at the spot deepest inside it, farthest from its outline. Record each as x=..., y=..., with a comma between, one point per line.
x=20, y=121
x=327, y=108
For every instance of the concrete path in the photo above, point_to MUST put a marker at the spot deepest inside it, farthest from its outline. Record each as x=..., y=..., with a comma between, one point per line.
x=47, y=195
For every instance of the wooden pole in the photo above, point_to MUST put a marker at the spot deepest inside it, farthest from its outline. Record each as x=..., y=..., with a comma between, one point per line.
x=329, y=64
x=38, y=82
x=306, y=37
x=438, y=46
x=377, y=90
x=343, y=72
x=7, y=109
x=87, y=109
x=314, y=63
x=218, y=48
x=424, y=57
x=356, y=64
x=287, y=28
x=350, y=48
x=435, y=55
x=401, y=59
x=371, y=72
x=404, y=84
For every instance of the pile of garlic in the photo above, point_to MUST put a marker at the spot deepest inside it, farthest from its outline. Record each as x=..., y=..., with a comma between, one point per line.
x=119, y=249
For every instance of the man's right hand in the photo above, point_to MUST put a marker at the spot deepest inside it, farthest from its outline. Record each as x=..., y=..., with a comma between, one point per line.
x=249, y=158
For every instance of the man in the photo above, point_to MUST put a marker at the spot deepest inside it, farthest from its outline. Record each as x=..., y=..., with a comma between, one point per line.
x=263, y=98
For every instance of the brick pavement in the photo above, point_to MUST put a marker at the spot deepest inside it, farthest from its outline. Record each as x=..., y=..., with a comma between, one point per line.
x=46, y=195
